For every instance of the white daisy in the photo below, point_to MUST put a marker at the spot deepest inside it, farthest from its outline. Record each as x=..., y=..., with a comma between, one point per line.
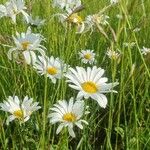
x=52, y=67
x=87, y=56
x=37, y=22
x=26, y=45
x=71, y=19
x=19, y=110
x=113, y=54
x=90, y=83
x=67, y=5
x=12, y=8
x=96, y=21
x=68, y=115
x=145, y=50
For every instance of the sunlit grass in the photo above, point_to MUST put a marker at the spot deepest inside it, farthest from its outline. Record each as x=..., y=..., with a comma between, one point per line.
x=124, y=123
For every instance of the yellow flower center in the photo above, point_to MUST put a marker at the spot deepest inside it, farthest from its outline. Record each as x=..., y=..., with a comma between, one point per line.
x=25, y=44
x=70, y=117
x=18, y=114
x=75, y=18
x=87, y=56
x=89, y=87
x=52, y=70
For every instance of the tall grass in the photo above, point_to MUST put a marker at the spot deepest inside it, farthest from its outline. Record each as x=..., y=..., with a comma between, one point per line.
x=125, y=123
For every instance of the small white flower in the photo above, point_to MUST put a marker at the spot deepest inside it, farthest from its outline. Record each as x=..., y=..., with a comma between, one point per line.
x=12, y=8
x=52, y=67
x=90, y=83
x=112, y=54
x=93, y=21
x=37, y=22
x=137, y=29
x=114, y=1
x=68, y=114
x=130, y=45
x=145, y=50
x=67, y=5
x=19, y=110
x=26, y=45
x=87, y=56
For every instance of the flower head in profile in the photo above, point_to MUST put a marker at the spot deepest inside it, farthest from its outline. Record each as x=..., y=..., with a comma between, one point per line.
x=90, y=83
x=35, y=22
x=68, y=114
x=113, y=54
x=18, y=109
x=87, y=56
x=95, y=21
x=52, y=67
x=25, y=46
x=114, y=1
x=12, y=8
x=145, y=50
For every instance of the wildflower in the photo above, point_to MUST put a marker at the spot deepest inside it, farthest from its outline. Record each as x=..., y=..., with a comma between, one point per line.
x=114, y=1
x=130, y=45
x=12, y=8
x=52, y=67
x=67, y=5
x=112, y=54
x=92, y=21
x=90, y=83
x=145, y=50
x=19, y=110
x=68, y=114
x=26, y=45
x=136, y=29
x=119, y=16
x=87, y=56
x=37, y=22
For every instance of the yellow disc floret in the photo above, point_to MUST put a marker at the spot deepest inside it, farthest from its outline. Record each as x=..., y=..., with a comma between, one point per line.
x=70, y=117
x=18, y=114
x=52, y=70
x=25, y=45
x=89, y=87
x=75, y=18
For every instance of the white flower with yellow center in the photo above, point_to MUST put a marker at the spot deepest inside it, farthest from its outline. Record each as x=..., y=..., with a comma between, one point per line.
x=71, y=19
x=26, y=45
x=19, y=110
x=68, y=114
x=145, y=50
x=113, y=54
x=12, y=8
x=90, y=83
x=87, y=56
x=52, y=67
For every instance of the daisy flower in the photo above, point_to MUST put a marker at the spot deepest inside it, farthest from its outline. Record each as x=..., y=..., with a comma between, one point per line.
x=52, y=67
x=12, y=8
x=145, y=50
x=37, y=22
x=68, y=114
x=112, y=54
x=90, y=83
x=19, y=110
x=71, y=19
x=26, y=45
x=95, y=20
x=67, y=5
x=87, y=56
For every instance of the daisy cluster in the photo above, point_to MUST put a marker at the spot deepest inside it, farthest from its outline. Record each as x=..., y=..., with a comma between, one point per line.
x=90, y=82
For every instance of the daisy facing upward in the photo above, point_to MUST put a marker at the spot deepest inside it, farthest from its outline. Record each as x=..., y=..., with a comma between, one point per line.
x=90, y=83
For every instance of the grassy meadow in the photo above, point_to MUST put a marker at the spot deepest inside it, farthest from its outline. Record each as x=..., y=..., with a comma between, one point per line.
x=125, y=123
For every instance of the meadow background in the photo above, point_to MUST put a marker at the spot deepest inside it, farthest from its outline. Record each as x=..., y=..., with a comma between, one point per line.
x=125, y=123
